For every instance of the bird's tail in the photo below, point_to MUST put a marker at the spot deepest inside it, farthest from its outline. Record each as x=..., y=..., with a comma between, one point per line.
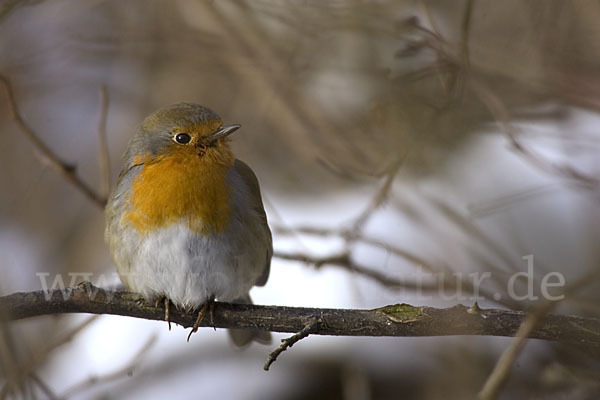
x=242, y=337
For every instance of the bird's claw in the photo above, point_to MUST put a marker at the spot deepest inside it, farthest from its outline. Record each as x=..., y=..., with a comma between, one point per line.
x=209, y=306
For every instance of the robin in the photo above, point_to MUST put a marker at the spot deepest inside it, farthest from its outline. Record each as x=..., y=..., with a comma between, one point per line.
x=186, y=224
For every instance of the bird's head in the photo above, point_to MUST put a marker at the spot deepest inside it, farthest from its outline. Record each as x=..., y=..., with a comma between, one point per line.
x=184, y=130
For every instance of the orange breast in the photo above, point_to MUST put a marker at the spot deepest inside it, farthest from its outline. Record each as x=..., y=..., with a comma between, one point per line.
x=181, y=186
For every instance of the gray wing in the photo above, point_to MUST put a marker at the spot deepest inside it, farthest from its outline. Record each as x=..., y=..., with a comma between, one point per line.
x=244, y=171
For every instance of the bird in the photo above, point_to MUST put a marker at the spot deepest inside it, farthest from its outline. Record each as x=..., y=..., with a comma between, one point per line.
x=185, y=224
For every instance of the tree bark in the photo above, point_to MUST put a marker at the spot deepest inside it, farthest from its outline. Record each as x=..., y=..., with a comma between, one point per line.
x=393, y=320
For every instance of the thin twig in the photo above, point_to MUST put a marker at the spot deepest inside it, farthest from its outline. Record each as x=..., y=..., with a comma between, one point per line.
x=44, y=387
x=50, y=158
x=500, y=373
x=119, y=373
x=464, y=33
x=345, y=261
x=428, y=17
x=414, y=259
x=19, y=377
x=498, y=376
x=495, y=106
x=377, y=200
x=500, y=113
x=289, y=342
x=103, y=156
x=472, y=231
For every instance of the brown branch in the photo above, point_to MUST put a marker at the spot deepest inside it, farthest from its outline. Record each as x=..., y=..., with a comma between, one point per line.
x=395, y=320
x=503, y=366
x=63, y=168
x=289, y=342
x=103, y=156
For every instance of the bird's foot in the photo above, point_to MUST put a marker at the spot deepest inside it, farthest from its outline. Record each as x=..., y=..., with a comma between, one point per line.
x=209, y=306
x=167, y=303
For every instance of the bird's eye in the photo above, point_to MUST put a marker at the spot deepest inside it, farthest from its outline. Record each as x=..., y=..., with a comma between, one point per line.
x=182, y=138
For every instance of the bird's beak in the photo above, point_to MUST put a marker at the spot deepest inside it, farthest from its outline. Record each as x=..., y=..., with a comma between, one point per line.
x=224, y=131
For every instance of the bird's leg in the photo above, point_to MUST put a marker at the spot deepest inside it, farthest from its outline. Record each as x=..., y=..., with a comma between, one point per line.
x=199, y=319
x=209, y=306
x=211, y=312
x=167, y=303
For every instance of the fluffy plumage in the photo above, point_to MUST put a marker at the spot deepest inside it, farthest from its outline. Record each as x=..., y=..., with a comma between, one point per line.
x=187, y=221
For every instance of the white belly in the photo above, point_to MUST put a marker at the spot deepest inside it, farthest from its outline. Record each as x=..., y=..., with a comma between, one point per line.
x=189, y=268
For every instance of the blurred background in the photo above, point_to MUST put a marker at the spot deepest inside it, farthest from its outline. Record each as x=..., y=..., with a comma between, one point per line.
x=396, y=142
